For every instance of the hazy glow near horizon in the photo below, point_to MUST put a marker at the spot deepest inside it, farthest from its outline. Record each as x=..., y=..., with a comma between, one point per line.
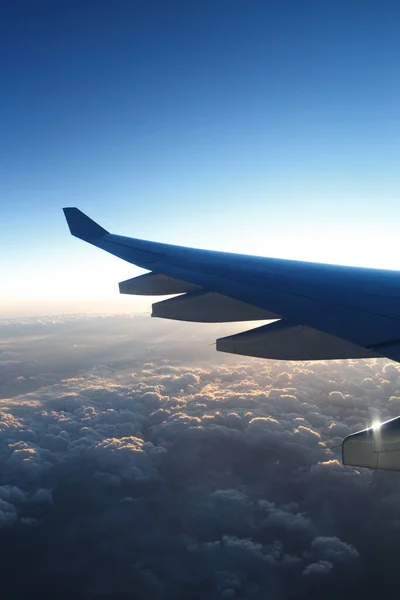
x=272, y=139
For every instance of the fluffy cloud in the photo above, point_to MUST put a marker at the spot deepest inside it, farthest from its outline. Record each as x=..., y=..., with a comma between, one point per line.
x=203, y=479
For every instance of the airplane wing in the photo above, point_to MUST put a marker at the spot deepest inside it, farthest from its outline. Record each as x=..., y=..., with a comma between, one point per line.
x=320, y=312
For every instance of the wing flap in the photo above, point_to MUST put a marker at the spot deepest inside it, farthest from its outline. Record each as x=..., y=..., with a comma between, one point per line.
x=155, y=284
x=209, y=307
x=284, y=340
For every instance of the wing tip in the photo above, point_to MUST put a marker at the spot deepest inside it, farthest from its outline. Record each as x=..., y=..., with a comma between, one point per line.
x=81, y=226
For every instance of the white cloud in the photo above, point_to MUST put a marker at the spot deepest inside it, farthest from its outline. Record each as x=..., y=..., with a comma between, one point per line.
x=205, y=478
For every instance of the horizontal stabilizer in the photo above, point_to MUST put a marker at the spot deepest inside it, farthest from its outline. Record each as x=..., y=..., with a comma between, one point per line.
x=81, y=226
x=284, y=340
x=155, y=284
x=209, y=307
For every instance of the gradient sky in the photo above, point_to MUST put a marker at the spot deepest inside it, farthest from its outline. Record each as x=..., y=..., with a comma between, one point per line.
x=265, y=127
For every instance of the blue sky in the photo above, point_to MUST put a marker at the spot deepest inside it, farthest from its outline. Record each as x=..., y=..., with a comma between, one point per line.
x=259, y=127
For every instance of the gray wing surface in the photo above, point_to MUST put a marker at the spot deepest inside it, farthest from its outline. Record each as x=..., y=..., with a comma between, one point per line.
x=320, y=312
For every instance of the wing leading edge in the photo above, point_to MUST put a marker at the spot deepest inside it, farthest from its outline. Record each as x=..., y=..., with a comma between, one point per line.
x=324, y=311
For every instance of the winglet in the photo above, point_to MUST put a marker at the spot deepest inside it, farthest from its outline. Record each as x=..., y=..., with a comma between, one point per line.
x=81, y=226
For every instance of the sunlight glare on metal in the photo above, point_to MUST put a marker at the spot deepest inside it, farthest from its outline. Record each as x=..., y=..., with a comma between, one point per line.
x=376, y=428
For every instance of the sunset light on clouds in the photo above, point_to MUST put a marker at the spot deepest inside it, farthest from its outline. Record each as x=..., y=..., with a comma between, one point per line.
x=136, y=462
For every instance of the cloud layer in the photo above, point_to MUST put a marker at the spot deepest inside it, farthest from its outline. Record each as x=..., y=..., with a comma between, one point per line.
x=201, y=476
